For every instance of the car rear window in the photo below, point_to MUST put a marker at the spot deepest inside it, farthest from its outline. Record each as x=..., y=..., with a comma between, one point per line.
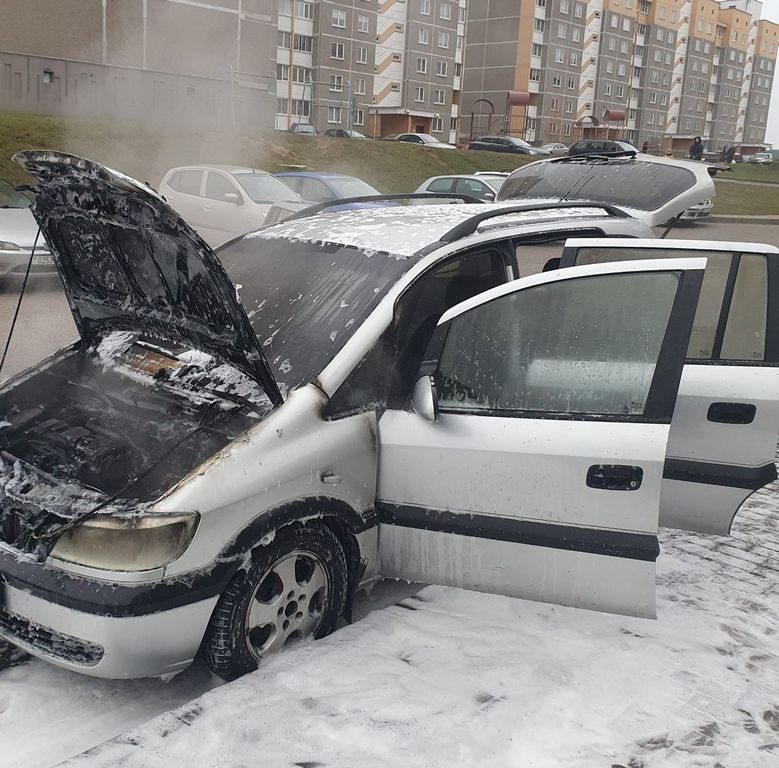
x=629, y=183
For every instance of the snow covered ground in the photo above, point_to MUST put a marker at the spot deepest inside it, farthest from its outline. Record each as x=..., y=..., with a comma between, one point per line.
x=453, y=678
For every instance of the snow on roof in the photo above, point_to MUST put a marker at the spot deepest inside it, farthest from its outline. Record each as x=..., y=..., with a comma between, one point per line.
x=404, y=230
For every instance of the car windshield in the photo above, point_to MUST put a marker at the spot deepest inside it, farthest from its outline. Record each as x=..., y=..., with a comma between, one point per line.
x=263, y=188
x=348, y=186
x=632, y=183
x=10, y=198
x=427, y=138
x=305, y=300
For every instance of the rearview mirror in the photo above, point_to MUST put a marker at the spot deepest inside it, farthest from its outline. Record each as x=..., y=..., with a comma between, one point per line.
x=489, y=196
x=424, y=399
x=232, y=197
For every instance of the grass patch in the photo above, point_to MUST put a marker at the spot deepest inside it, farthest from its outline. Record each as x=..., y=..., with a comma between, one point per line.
x=767, y=174
x=146, y=152
x=746, y=200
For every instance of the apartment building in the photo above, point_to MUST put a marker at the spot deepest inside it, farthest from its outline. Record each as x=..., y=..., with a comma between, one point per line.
x=654, y=71
x=377, y=68
x=206, y=63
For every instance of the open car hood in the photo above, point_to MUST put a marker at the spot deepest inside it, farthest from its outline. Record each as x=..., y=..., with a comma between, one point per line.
x=129, y=262
x=651, y=189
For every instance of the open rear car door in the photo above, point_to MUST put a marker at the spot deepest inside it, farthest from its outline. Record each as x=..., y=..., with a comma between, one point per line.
x=722, y=444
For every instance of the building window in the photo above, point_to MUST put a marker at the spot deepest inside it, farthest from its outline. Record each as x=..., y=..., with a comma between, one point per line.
x=573, y=59
x=282, y=72
x=362, y=23
x=337, y=51
x=422, y=65
x=438, y=124
x=359, y=86
x=571, y=82
x=578, y=10
x=301, y=74
x=535, y=75
x=576, y=34
x=424, y=7
x=614, y=20
x=443, y=39
x=625, y=24
x=441, y=68
x=361, y=55
x=538, y=50
x=359, y=117
x=619, y=91
x=554, y=104
x=301, y=108
x=556, y=80
x=610, y=67
x=562, y=31
x=439, y=96
x=607, y=89
x=338, y=19
x=424, y=36
x=568, y=106
x=283, y=40
x=336, y=83
x=538, y=25
x=334, y=114
x=419, y=94
x=445, y=12
x=304, y=9
x=565, y=6
x=567, y=129
x=285, y=8
x=559, y=56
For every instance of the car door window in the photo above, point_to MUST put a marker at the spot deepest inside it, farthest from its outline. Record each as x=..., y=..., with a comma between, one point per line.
x=744, y=337
x=440, y=185
x=723, y=330
x=189, y=182
x=315, y=191
x=217, y=186
x=294, y=182
x=475, y=189
x=544, y=350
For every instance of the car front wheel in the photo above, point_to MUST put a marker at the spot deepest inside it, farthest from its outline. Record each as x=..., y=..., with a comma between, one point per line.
x=296, y=588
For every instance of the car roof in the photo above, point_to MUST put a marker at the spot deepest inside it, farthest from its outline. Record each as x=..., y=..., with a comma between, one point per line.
x=219, y=167
x=404, y=231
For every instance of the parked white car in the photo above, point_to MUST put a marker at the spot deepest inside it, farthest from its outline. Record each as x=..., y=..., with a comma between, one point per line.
x=700, y=210
x=763, y=158
x=480, y=186
x=236, y=444
x=223, y=201
x=18, y=233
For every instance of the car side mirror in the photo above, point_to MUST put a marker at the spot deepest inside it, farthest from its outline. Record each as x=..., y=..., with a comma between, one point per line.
x=489, y=196
x=424, y=399
x=233, y=197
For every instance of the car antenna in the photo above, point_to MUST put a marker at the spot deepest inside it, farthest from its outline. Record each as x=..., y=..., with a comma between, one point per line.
x=21, y=296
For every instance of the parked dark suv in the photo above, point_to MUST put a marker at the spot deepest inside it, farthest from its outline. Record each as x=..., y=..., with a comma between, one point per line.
x=600, y=147
x=506, y=144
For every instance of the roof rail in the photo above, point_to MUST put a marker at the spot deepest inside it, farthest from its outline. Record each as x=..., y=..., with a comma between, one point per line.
x=319, y=207
x=469, y=226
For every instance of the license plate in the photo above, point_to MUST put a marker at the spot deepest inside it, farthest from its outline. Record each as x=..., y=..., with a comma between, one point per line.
x=41, y=260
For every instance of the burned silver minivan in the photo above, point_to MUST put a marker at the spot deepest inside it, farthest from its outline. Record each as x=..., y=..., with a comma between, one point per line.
x=236, y=444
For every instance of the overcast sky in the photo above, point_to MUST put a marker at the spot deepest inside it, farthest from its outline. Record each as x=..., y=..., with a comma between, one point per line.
x=771, y=12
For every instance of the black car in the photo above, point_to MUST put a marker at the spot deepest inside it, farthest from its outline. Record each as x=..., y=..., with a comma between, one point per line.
x=600, y=147
x=506, y=144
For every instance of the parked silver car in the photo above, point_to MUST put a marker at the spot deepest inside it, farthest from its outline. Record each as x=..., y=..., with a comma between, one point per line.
x=18, y=233
x=223, y=201
x=231, y=450
x=481, y=187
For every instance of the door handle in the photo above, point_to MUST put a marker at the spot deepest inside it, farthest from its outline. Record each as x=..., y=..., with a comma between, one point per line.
x=330, y=478
x=614, y=477
x=732, y=413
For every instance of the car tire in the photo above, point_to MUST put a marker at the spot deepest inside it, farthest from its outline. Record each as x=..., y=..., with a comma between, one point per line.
x=296, y=587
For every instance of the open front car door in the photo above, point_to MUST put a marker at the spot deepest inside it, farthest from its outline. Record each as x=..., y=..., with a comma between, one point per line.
x=529, y=461
x=722, y=444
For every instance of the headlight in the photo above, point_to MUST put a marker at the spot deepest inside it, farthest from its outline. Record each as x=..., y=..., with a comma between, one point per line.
x=6, y=246
x=116, y=543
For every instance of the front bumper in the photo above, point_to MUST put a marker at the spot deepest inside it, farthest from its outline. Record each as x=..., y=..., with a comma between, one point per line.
x=696, y=213
x=105, y=646
x=13, y=264
x=105, y=629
